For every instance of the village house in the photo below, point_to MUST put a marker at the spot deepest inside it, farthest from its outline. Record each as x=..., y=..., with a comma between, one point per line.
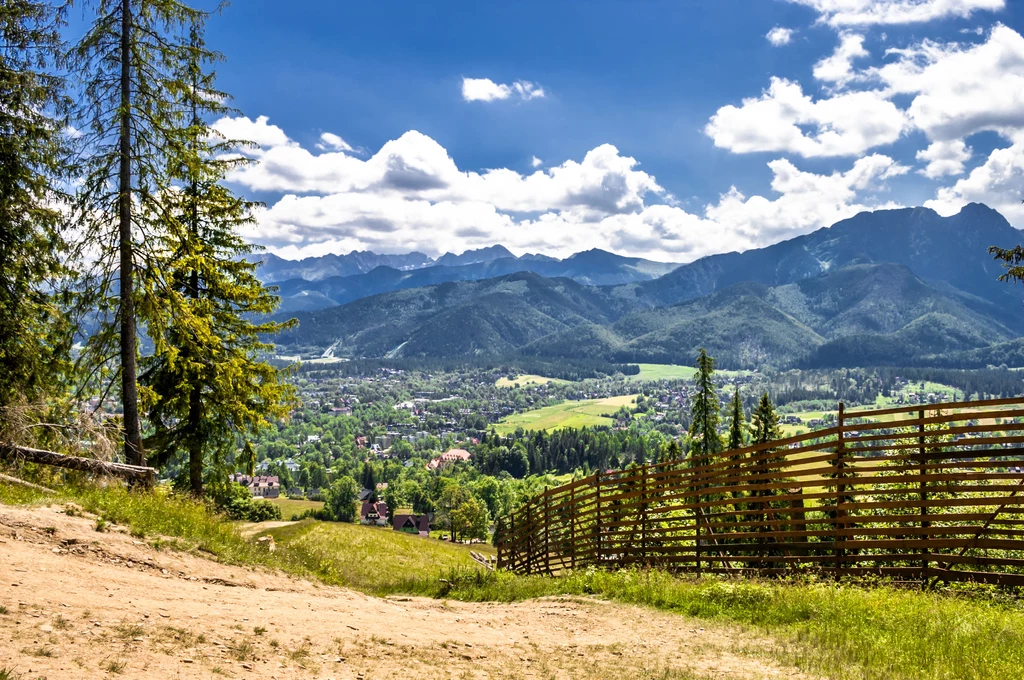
x=412, y=524
x=374, y=513
x=449, y=457
x=260, y=486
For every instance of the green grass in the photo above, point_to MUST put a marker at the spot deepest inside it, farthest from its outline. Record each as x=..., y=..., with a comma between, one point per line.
x=585, y=413
x=376, y=560
x=529, y=379
x=841, y=631
x=291, y=507
x=663, y=372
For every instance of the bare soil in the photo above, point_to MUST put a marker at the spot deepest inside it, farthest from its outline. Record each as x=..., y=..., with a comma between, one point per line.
x=85, y=604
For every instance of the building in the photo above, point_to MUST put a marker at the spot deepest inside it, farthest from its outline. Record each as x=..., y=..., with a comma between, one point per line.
x=412, y=524
x=374, y=513
x=449, y=457
x=260, y=486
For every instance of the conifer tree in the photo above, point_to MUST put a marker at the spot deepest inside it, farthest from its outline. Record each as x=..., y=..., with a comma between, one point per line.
x=737, y=423
x=128, y=60
x=211, y=387
x=706, y=409
x=765, y=428
x=33, y=160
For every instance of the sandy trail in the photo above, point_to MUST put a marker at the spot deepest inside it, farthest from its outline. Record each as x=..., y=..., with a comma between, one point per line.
x=83, y=604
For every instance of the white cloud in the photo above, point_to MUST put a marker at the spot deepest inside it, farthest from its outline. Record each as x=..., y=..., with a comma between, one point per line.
x=536, y=162
x=838, y=68
x=944, y=158
x=410, y=194
x=959, y=90
x=997, y=183
x=780, y=36
x=332, y=142
x=486, y=90
x=839, y=13
x=258, y=131
x=847, y=124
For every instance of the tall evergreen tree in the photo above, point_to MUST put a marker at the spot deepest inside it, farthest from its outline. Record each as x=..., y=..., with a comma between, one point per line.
x=705, y=411
x=210, y=385
x=737, y=422
x=131, y=116
x=33, y=160
x=765, y=422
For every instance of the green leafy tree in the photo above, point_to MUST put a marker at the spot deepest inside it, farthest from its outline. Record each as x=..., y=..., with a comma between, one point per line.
x=340, y=499
x=211, y=389
x=705, y=412
x=33, y=160
x=469, y=519
x=132, y=114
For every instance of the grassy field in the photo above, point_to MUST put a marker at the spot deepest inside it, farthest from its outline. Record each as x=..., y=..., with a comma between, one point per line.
x=524, y=380
x=373, y=559
x=846, y=632
x=663, y=372
x=586, y=413
x=291, y=507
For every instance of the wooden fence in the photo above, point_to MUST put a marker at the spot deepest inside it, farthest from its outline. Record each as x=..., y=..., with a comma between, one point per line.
x=919, y=492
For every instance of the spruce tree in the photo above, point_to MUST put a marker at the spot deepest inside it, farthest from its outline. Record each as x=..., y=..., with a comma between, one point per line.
x=211, y=387
x=737, y=423
x=131, y=114
x=33, y=161
x=706, y=408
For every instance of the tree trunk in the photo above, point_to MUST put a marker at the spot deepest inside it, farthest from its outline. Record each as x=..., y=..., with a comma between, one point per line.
x=133, y=452
x=195, y=414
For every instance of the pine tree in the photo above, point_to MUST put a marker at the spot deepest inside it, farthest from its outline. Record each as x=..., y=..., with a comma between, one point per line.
x=211, y=388
x=765, y=421
x=737, y=423
x=131, y=114
x=706, y=408
x=33, y=160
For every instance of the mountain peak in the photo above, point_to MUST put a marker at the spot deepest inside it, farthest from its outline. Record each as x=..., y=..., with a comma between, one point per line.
x=495, y=252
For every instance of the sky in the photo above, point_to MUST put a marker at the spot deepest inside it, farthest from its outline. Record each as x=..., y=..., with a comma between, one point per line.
x=657, y=129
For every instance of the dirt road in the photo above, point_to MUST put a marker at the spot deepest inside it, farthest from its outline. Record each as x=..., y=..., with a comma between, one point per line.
x=75, y=603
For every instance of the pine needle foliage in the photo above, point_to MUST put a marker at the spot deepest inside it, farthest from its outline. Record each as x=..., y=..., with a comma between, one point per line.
x=34, y=159
x=706, y=413
x=131, y=115
x=211, y=388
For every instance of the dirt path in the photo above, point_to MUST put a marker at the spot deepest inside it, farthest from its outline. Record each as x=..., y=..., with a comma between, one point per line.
x=75, y=603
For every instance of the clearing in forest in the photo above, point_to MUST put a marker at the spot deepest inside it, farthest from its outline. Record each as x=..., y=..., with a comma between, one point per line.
x=582, y=413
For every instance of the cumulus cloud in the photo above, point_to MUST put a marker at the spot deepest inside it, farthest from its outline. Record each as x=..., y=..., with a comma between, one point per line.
x=780, y=36
x=996, y=183
x=944, y=158
x=959, y=89
x=486, y=90
x=332, y=142
x=841, y=13
x=258, y=131
x=846, y=124
x=410, y=194
x=838, y=68
x=536, y=162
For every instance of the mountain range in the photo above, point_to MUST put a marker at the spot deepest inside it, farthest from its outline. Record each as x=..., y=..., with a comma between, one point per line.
x=895, y=287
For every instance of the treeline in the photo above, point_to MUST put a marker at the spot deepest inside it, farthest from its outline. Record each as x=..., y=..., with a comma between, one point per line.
x=115, y=214
x=563, y=369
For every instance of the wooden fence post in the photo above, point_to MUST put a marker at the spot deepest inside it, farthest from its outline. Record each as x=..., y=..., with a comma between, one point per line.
x=643, y=515
x=529, y=537
x=572, y=528
x=597, y=516
x=840, y=491
x=697, y=511
x=547, y=549
x=924, y=496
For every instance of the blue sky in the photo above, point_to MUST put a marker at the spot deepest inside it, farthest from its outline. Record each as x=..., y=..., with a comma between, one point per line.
x=643, y=143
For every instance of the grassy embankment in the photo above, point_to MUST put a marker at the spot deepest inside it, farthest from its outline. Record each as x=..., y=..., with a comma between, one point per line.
x=583, y=413
x=839, y=631
x=291, y=507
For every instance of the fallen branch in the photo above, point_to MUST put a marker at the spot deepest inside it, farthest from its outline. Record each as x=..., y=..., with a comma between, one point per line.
x=22, y=482
x=133, y=473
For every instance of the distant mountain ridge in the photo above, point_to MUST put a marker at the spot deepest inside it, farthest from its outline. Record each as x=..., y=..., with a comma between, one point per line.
x=592, y=267
x=892, y=287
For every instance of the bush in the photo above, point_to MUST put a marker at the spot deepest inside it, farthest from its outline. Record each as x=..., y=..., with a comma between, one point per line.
x=237, y=503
